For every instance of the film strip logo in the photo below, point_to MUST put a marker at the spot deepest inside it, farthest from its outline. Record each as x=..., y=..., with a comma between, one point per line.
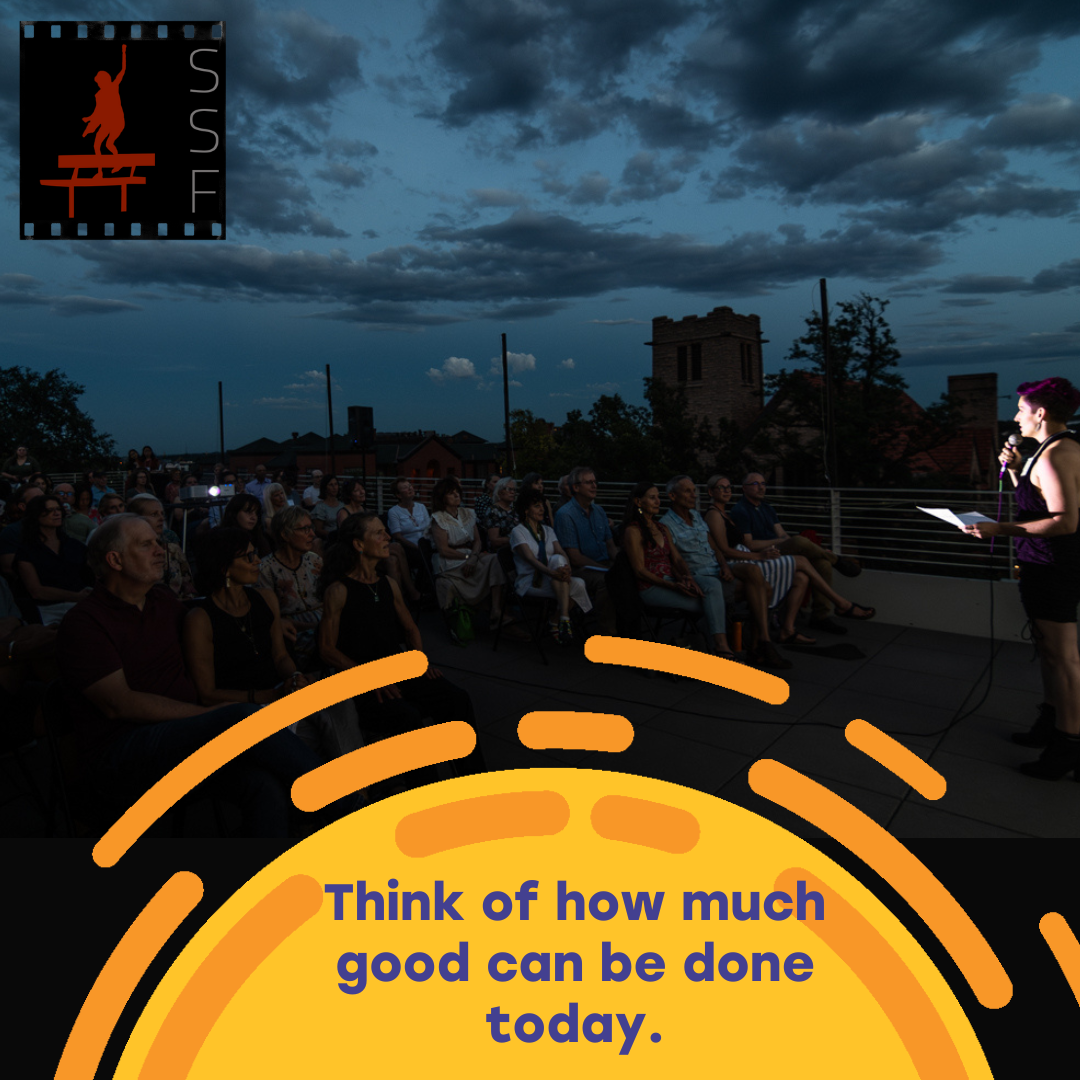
x=151, y=96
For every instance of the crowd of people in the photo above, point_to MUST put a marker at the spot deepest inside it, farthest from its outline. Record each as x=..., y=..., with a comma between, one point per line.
x=158, y=653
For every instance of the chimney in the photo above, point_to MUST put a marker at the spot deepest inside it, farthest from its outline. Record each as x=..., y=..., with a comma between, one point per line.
x=977, y=398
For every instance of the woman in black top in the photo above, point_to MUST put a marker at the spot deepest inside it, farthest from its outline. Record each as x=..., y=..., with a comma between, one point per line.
x=365, y=619
x=233, y=642
x=51, y=565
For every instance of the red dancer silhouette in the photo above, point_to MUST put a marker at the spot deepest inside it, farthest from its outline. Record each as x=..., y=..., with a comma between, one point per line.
x=107, y=117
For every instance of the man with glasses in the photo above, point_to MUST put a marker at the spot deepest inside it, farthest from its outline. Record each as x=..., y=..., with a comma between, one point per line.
x=134, y=706
x=585, y=535
x=761, y=529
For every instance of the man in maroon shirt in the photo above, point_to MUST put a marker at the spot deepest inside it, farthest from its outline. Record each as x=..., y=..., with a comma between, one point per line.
x=136, y=711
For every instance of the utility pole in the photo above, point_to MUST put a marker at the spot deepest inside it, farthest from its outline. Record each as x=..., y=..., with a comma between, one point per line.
x=221, y=420
x=832, y=472
x=330, y=414
x=506, y=410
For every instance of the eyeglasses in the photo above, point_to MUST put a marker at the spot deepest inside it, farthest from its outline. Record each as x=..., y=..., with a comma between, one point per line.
x=304, y=528
x=755, y=483
x=722, y=487
x=249, y=556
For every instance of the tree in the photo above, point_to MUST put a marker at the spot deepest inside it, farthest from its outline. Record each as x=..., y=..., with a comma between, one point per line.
x=879, y=429
x=41, y=412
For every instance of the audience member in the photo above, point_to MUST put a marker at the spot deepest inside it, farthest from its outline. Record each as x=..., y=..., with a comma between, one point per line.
x=409, y=519
x=324, y=513
x=136, y=709
x=148, y=460
x=233, y=641
x=82, y=519
x=664, y=579
x=583, y=530
x=542, y=566
x=459, y=563
x=483, y=501
x=19, y=466
x=365, y=619
x=761, y=529
x=11, y=534
x=501, y=519
x=274, y=501
x=292, y=571
x=27, y=659
x=244, y=511
x=534, y=481
x=565, y=494
x=100, y=486
x=311, y=492
x=257, y=484
x=51, y=565
x=139, y=483
x=177, y=574
x=353, y=498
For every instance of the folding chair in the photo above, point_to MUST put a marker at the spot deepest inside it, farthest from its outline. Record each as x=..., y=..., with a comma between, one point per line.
x=541, y=604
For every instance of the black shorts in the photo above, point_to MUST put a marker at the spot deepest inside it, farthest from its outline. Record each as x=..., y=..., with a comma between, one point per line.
x=1050, y=592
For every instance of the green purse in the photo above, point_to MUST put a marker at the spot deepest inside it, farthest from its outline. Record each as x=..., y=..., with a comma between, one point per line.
x=460, y=621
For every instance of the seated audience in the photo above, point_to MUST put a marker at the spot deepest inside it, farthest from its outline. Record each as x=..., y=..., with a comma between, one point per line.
x=257, y=484
x=233, y=641
x=135, y=707
x=148, y=460
x=27, y=659
x=542, y=566
x=177, y=573
x=760, y=527
x=789, y=580
x=708, y=562
x=51, y=565
x=311, y=492
x=461, y=567
x=83, y=519
x=244, y=511
x=409, y=519
x=324, y=513
x=365, y=619
x=139, y=483
x=483, y=501
x=172, y=488
x=501, y=519
x=583, y=530
x=353, y=498
x=100, y=485
x=664, y=579
x=11, y=534
x=292, y=572
x=274, y=501
x=534, y=481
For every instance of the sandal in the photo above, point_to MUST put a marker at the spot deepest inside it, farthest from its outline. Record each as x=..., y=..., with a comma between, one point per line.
x=795, y=638
x=853, y=612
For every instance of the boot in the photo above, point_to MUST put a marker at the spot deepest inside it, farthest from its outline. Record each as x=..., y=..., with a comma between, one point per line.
x=1061, y=756
x=1039, y=733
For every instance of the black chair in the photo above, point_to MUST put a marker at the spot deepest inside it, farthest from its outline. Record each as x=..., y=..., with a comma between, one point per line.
x=634, y=619
x=521, y=604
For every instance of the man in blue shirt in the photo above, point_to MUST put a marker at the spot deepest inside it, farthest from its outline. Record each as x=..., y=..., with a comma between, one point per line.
x=585, y=535
x=99, y=486
x=761, y=529
x=259, y=485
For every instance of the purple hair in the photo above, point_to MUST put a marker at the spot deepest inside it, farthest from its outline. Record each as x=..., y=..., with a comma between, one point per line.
x=1057, y=396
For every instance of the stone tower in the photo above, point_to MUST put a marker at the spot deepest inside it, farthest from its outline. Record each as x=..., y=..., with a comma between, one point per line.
x=716, y=358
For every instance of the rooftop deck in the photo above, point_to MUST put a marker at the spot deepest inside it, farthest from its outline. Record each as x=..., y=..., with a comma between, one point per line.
x=913, y=684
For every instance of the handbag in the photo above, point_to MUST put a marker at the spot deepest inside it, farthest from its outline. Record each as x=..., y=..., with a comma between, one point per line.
x=460, y=622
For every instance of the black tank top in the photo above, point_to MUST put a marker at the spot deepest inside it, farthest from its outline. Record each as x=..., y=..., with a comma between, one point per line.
x=1060, y=550
x=243, y=647
x=369, y=627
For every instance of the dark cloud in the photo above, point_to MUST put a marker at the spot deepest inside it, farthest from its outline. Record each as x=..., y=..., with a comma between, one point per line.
x=272, y=198
x=23, y=290
x=854, y=60
x=1065, y=275
x=1039, y=120
x=531, y=51
x=528, y=258
x=645, y=179
x=1043, y=349
x=967, y=303
x=344, y=176
x=662, y=124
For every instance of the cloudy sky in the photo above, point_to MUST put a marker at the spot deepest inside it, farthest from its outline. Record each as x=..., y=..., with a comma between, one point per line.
x=407, y=180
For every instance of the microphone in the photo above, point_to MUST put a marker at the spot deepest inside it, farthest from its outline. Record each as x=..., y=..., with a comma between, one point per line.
x=1013, y=440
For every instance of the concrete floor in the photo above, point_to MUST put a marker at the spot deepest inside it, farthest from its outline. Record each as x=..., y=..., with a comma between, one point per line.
x=912, y=684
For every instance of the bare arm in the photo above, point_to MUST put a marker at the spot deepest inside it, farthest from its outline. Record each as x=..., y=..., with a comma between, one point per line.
x=330, y=627
x=635, y=552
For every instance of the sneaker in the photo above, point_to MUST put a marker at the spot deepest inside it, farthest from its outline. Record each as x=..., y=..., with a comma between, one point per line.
x=566, y=634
